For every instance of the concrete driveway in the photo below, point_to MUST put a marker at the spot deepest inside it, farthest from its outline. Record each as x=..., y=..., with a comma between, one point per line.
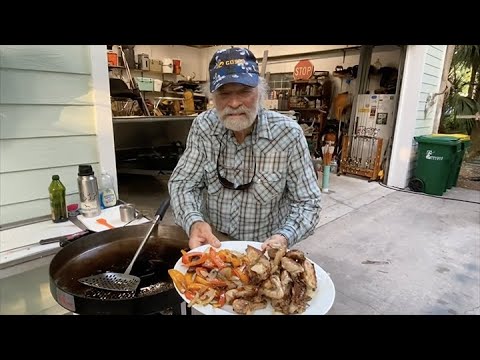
x=392, y=252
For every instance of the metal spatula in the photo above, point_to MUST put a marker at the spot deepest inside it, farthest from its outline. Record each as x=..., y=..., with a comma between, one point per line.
x=124, y=282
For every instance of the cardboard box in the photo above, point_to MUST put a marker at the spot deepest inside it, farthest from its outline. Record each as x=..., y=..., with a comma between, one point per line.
x=155, y=65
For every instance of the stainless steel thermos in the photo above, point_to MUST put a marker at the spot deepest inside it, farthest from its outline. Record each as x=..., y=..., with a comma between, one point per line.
x=88, y=190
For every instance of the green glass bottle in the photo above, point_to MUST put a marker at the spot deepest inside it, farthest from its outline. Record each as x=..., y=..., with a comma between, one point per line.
x=58, y=204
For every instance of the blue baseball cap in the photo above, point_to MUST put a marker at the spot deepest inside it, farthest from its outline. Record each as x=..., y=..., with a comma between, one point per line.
x=234, y=65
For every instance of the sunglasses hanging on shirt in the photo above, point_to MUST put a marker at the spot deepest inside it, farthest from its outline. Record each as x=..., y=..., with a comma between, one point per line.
x=227, y=183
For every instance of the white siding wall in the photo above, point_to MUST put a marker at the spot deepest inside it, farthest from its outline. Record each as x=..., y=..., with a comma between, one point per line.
x=422, y=77
x=431, y=79
x=48, y=125
x=432, y=73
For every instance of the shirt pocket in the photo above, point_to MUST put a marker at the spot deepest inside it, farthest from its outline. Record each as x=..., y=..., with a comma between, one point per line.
x=268, y=186
x=211, y=178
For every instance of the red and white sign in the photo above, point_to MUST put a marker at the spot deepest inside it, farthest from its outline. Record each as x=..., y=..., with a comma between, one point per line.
x=303, y=70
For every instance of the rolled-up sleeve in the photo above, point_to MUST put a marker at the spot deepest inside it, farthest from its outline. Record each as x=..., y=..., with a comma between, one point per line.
x=186, y=182
x=304, y=194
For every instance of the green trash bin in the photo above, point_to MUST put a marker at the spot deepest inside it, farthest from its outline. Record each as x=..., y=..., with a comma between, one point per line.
x=436, y=157
x=465, y=144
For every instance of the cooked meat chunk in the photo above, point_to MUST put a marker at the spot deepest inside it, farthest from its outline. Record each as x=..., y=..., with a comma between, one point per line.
x=271, y=252
x=297, y=308
x=275, y=261
x=272, y=288
x=261, y=268
x=291, y=266
x=243, y=292
x=242, y=306
x=298, y=292
x=285, y=278
x=309, y=294
x=296, y=255
x=253, y=254
x=309, y=275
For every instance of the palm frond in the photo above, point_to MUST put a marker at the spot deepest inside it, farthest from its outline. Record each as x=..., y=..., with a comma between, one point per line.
x=466, y=55
x=464, y=70
x=465, y=106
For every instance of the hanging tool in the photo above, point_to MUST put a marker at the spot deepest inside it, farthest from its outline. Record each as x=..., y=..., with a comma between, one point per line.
x=132, y=82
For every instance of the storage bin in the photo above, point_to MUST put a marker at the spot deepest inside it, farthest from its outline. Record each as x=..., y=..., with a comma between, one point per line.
x=144, y=84
x=157, y=85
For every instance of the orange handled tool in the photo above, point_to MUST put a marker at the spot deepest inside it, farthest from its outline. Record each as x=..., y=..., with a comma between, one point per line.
x=105, y=222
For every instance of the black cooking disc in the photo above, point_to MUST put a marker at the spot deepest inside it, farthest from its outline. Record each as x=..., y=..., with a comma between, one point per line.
x=113, y=250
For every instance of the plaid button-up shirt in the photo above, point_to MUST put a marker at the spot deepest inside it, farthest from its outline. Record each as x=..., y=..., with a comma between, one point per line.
x=284, y=197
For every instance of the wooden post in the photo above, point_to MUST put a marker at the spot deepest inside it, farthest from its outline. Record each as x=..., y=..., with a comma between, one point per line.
x=376, y=164
x=345, y=151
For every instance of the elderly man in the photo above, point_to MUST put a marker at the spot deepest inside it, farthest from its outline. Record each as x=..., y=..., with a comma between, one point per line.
x=246, y=171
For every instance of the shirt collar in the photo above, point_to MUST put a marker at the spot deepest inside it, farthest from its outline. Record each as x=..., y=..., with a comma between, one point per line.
x=262, y=128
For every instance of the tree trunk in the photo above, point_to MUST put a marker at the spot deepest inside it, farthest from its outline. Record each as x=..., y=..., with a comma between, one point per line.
x=473, y=75
x=474, y=151
x=477, y=89
x=438, y=126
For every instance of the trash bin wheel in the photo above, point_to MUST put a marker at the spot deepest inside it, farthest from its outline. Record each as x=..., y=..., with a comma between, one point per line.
x=416, y=185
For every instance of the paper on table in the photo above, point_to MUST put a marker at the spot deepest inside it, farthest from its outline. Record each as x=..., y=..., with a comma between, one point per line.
x=112, y=215
x=23, y=241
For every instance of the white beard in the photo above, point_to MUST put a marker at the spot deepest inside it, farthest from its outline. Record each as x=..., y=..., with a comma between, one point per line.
x=238, y=123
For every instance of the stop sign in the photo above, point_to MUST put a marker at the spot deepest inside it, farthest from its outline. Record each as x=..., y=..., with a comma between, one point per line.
x=303, y=70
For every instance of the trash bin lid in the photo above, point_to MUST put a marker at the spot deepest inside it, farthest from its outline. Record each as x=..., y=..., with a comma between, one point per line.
x=438, y=139
x=461, y=137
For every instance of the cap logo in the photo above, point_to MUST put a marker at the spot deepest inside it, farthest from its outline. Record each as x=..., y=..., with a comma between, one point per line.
x=235, y=65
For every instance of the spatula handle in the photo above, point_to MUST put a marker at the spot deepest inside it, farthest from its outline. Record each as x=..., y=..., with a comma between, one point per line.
x=163, y=208
x=127, y=272
x=158, y=216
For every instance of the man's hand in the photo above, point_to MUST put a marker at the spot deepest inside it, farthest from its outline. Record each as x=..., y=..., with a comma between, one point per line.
x=275, y=241
x=201, y=234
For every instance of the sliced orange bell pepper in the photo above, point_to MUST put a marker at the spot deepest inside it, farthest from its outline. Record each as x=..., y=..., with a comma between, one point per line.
x=241, y=275
x=217, y=282
x=194, y=258
x=228, y=257
x=189, y=295
x=208, y=263
x=188, y=279
x=216, y=259
x=197, y=287
x=221, y=299
x=201, y=280
x=209, y=282
x=178, y=279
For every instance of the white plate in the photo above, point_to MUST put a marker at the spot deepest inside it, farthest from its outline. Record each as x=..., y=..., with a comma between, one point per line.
x=319, y=305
